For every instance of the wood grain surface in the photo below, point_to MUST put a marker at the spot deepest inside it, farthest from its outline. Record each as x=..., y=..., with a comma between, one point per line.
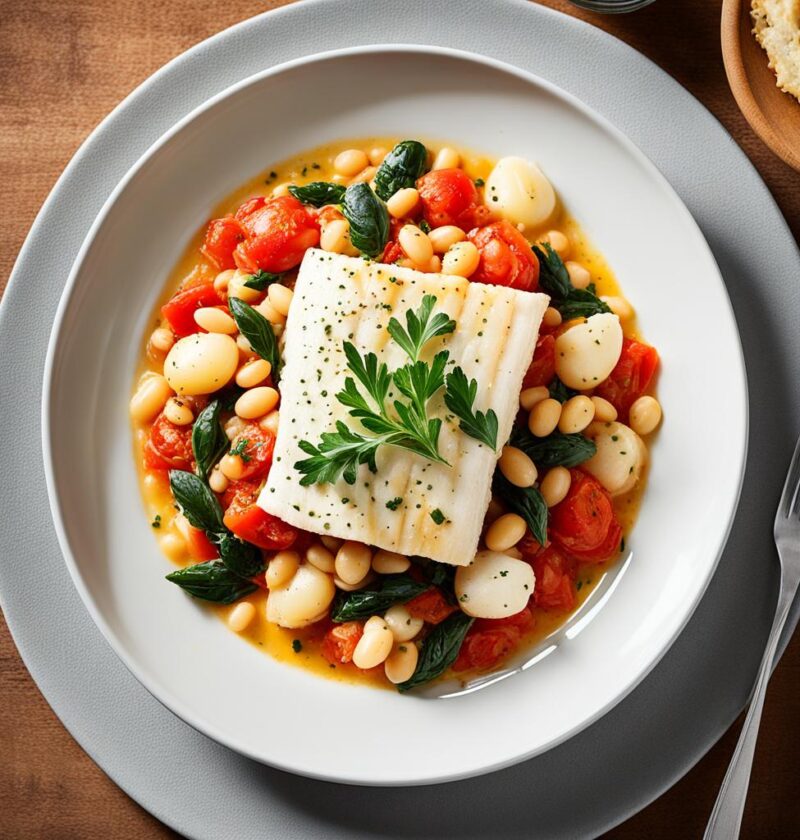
x=63, y=67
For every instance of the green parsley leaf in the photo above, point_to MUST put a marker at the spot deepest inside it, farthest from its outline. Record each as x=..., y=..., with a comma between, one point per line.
x=240, y=448
x=421, y=327
x=459, y=398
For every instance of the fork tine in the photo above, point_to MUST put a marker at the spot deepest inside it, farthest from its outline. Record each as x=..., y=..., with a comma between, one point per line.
x=791, y=489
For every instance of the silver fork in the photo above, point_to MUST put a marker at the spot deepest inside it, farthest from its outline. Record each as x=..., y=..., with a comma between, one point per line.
x=726, y=818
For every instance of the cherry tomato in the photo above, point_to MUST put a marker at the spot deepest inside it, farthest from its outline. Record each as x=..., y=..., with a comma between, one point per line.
x=449, y=197
x=179, y=310
x=340, y=642
x=430, y=606
x=555, y=580
x=506, y=257
x=543, y=366
x=256, y=452
x=260, y=528
x=169, y=447
x=222, y=237
x=277, y=235
x=200, y=546
x=249, y=207
x=584, y=525
x=392, y=252
x=630, y=378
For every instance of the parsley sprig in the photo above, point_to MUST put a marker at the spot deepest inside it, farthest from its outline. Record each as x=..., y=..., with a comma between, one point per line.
x=405, y=424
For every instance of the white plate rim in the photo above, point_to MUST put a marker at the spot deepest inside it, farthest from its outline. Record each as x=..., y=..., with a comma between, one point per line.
x=164, y=696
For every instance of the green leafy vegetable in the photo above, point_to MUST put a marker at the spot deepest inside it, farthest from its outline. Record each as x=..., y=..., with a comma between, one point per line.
x=241, y=449
x=200, y=506
x=209, y=440
x=340, y=453
x=439, y=650
x=421, y=327
x=196, y=501
x=239, y=556
x=258, y=331
x=400, y=168
x=554, y=280
x=363, y=603
x=459, y=398
x=528, y=502
x=319, y=193
x=555, y=450
x=368, y=218
x=559, y=391
x=261, y=279
x=212, y=581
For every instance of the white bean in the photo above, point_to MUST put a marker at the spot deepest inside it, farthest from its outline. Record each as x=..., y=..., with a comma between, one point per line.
x=403, y=626
x=576, y=414
x=353, y=562
x=302, y=601
x=403, y=202
x=280, y=297
x=237, y=288
x=241, y=616
x=375, y=645
x=177, y=412
x=201, y=363
x=517, y=190
x=162, y=339
x=214, y=320
x=461, y=259
x=282, y=568
x=645, y=415
x=350, y=162
x=517, y=467
x=401, y=663
x=494, y=585
x=322, y=558
x=620, y=457
x=256, y=402
x=505, y=531
x=604, y=410
x=150, y=397
x=588, y=352
x=558, y=242
x=415, y=244
x=446, y=158
x=544, y=417
x=442, y=238
x=253, y=373
x=390, y=563
x=555, y=486
x=530, y=396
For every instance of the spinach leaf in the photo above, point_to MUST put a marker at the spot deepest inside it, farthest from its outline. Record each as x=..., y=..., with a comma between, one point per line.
x=442, y=576
x=318, y=193
x=554, y=450
x=363, y=603
x=258, y=331
x=209, y=440
x=196, y=501
x=368, y=217
x=261, y=279
x=554, y=280
x=553, y=275
x=400, y=168
x=439, y=650
x=242, y=558
x=582, y=303
x=525, y=501
x=559, y=391
x=228, y=395
x=212, y=581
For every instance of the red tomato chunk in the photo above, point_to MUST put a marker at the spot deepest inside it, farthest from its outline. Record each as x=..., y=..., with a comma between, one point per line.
x=340, y=642
x=631, y=377
x=179, y=310
x=506, y=257
x=252, y=524
x=449, y=197
x=490, y=640
x=222, y=237
x=169, y=447
x=584, y=525
x=543, y=367
x=430, y=606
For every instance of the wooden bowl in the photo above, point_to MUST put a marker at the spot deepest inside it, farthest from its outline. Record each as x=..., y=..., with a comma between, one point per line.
x=772, y=114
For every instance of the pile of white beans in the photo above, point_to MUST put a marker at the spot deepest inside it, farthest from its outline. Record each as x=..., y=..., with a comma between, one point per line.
x=497, y=583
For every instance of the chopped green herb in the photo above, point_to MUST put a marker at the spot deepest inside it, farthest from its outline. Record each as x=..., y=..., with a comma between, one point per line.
x=437, y=516
x=240, y=448
x=395, y=503
x=297, y=645
x=156, y=523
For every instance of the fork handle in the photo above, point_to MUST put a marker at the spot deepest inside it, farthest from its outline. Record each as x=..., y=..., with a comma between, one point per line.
x=726, y=818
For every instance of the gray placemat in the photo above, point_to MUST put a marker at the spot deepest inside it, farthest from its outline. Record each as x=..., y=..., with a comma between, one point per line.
x=630, y=756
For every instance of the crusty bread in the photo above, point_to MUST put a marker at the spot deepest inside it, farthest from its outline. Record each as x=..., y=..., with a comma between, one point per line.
x=777, y=29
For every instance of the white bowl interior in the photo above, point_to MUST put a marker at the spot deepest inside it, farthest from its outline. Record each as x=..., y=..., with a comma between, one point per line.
x=280, y=714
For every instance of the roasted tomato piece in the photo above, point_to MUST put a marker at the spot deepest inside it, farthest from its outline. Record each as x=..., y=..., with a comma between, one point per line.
x=255, y=446
x=222, y=237
x=200, y=546
x=448, y=197
x=168, y=447
x=249, y=207
x=278, y=235
x=340, y=642
x=489, y=640
x=630, y=378
x=555, y=580
x=543, y=366
x=506, y=257
x=584, y=525
x=260, y=528
x=179, y=310
x=430, y=606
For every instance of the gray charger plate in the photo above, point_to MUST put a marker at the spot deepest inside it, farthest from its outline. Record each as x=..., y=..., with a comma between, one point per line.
x=658, y=732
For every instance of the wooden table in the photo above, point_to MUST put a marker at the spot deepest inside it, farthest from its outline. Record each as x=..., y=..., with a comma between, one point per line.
x=63, y=67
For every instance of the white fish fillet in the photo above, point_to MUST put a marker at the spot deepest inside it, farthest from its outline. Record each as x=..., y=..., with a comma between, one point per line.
x=340, y=298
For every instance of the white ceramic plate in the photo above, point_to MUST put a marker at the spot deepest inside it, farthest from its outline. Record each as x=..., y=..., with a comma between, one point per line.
x=184, y=655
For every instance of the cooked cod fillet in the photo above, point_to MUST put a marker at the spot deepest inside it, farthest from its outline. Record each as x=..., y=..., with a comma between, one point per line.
x=339, y=299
